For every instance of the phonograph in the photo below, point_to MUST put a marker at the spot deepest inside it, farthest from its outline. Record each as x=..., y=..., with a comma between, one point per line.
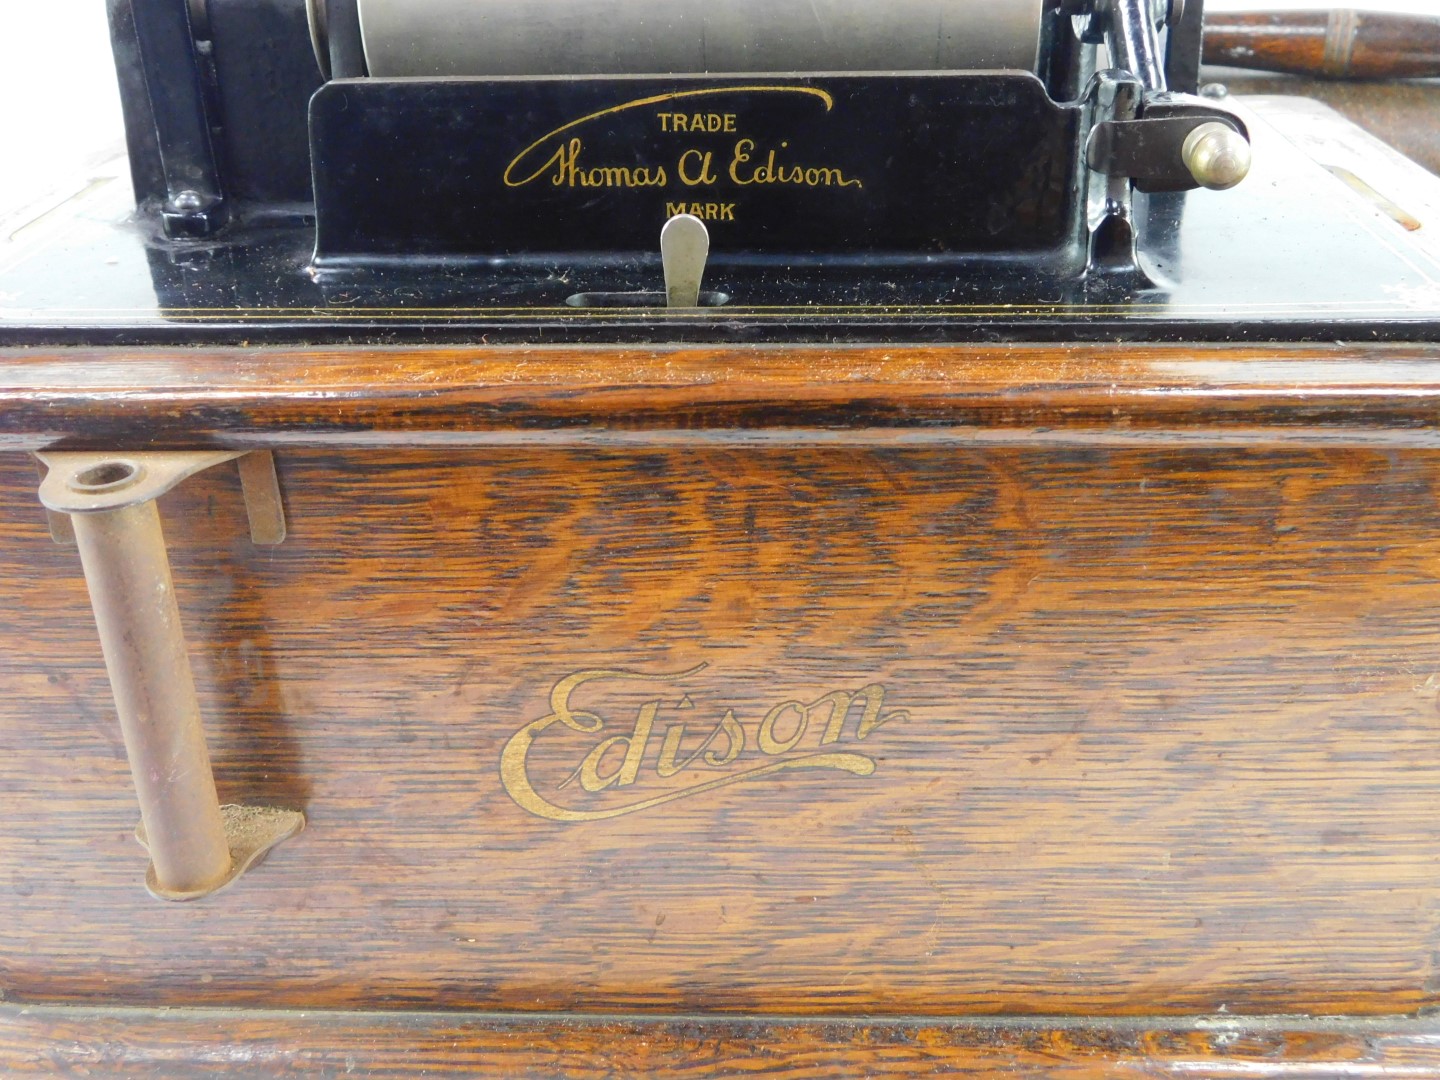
x=761, y=514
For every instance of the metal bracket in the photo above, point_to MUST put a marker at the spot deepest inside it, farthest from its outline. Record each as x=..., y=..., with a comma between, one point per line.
x=1160, y=152
x=1114, y=242
x=195, y=204
x=197, y=847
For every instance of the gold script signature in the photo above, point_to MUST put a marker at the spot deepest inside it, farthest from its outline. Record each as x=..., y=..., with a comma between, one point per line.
x=560, y=156
x=617, y=761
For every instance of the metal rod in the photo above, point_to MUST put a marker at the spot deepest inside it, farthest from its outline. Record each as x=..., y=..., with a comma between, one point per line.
x=197, y=847
x=128, y=574
x=1135, y=42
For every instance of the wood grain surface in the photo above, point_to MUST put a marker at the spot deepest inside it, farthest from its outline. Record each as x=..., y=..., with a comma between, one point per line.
x=1336, y=43
x=181, y=1044
x=1338, y=394
x=1158, y=735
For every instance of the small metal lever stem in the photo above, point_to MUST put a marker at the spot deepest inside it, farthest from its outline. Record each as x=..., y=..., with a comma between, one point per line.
x=196, y=846
x=684, y=250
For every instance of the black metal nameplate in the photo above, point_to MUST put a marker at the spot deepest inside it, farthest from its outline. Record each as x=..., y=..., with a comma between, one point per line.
x=923, y=164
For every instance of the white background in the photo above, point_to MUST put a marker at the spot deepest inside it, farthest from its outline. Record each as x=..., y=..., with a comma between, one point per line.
x=60, y=106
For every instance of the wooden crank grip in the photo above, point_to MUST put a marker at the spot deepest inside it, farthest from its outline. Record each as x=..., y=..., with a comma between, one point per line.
x=1342, y=44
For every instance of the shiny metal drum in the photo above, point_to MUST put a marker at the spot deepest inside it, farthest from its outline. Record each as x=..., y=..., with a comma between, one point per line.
x=632, y=37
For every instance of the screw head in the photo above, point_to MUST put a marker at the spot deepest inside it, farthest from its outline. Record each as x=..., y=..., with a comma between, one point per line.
x=1217, y=155
x=188, y=201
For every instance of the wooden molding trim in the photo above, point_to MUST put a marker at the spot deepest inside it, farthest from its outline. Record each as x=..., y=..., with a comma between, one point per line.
x=178, y=1043
x=1352, y=395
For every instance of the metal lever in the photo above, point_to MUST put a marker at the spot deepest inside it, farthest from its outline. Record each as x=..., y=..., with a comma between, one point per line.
x=1134, y=42
x=196, y=846
x=684, y=250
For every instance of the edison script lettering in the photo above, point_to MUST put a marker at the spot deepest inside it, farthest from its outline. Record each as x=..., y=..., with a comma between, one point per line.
x=617, y=759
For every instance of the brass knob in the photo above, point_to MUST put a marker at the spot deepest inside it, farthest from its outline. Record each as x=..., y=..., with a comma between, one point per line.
x=1217, y=155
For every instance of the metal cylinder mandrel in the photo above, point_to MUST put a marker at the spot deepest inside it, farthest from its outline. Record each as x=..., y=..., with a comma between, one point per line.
x=629, y=37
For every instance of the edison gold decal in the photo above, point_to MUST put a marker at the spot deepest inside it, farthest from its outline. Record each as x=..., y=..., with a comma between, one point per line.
x=727, y=159
x=671, y=741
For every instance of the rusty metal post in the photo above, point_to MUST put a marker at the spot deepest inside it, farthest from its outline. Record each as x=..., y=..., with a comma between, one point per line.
x=196, y=846
x=128, y=572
